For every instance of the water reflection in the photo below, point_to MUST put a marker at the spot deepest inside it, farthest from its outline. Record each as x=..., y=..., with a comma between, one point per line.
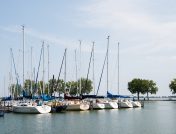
x=154, y=118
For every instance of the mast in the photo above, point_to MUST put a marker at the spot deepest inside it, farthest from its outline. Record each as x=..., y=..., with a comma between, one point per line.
x=93, y=70
x=118, y=70
x=43, y=68
x=4, y=85
x=80, y=68
x=23, y=52
x=89, y=67
x=65, y=71
x=10, y=75
x=107, y=63
x=48, y=70
x=31, y=71
x=76, y=71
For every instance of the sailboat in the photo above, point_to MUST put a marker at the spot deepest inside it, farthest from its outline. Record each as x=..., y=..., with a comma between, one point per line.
x=109, y=104
x=94, y=102
x=31, y=107
x=73, y=103
x=122, y=100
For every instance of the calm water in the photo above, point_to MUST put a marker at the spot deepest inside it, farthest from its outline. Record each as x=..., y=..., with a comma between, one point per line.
x=154, y=118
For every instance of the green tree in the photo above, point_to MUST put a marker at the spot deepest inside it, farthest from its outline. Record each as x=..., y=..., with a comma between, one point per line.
x=152, y=88
x=16, y=90
x=172, y=86
x=137, y=86
x=86, y=86
x=56, y=86
x=72, y=87
x=27, y=86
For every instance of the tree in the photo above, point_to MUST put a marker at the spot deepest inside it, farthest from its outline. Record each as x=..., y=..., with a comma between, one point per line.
x=137, y=86
x=73, y=87
x=56, y=86
x=16, y=90
x=86, y=86
x=152, y=88
x=172, y=86
x=27, y=86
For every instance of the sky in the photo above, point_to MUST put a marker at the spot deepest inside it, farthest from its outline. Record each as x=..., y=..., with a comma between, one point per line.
x=145, y=30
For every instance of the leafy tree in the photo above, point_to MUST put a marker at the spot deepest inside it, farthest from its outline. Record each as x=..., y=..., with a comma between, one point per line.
x=152, y=88
x=172, y=86
x=56, y=86
x=74, y=89
x=16, y=90
x=86, y=86
x=137, y=86
x=72, y=86
x=27, y=86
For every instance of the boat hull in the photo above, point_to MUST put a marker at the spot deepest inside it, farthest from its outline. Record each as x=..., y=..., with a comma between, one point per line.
x=125, y=104
x=98, y=106
x=77, y=107
x=136, y=103
x=111, y=105
x=32, y=109
x=59, y=108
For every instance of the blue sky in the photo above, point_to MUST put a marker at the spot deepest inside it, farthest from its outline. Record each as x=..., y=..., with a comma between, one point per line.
x=145, y=29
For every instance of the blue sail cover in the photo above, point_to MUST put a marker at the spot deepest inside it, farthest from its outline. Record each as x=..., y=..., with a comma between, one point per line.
x=109, y=95
x=7, y=98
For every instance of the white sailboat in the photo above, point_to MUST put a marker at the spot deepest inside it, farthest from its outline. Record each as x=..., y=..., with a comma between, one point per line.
x=125, y=104
x=136, y=103
x=30, y=108
x=122, y=103
x=109, y=104
x=77, y=105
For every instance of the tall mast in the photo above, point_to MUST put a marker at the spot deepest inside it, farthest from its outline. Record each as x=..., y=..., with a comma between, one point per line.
x=23, y=52
x=4, y=86
x=43, y=68
x=48, y=70
x=65, y=71
x=93, y=70
x=118, y=69
x=31, y=71
x=76, y=71
x=80, y=68
x=107, y=64
x=10, y=83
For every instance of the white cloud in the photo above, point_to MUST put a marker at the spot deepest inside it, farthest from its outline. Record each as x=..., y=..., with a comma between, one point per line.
x=143, y=29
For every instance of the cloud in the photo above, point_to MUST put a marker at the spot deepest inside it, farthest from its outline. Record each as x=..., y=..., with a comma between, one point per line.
x=138, y=25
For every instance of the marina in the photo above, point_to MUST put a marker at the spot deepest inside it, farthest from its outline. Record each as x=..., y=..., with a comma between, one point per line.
x=87, y=67
x=151, y=119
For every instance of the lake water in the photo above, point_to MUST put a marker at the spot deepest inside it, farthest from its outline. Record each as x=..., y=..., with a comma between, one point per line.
x=157, y=117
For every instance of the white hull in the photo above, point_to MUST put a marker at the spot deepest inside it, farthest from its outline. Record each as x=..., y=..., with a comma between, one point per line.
x=32, y=109
x=111, y=105
x=125, y=104
x=98, y=106
x=77, y=107
x=136, y=103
